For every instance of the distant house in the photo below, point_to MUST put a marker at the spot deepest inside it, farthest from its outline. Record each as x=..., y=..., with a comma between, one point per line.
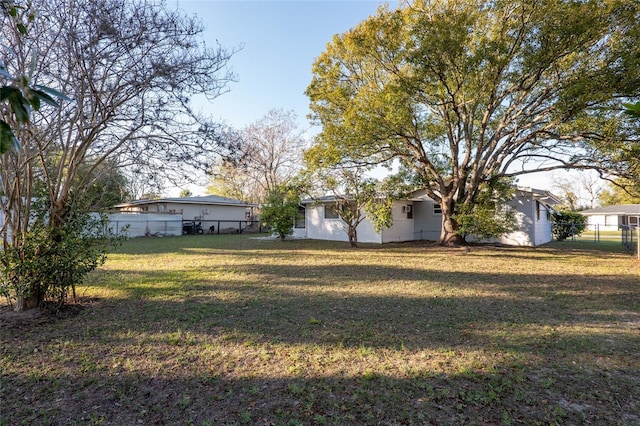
x=212, y=212
x=420, y=218
x=612, y=218
x=192, y=208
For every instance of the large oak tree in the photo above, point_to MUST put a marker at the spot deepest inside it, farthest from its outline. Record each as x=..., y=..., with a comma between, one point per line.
x=464, y=92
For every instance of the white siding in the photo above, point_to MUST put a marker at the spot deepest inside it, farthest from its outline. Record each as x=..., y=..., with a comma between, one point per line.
x=402, y=228
x=532, y=230
x=319, y=228
x=427, y=223
x=139, y=225
x=209, y=212
x=604, y=222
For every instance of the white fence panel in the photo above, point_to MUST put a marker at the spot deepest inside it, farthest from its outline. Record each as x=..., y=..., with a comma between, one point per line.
x=140, y=225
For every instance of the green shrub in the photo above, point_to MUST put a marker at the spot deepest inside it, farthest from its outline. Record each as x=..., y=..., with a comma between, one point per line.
x=281, y=210
x=566, y=224
x=46, y=262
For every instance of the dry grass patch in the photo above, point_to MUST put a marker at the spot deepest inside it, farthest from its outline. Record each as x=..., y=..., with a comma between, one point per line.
x=230, y=330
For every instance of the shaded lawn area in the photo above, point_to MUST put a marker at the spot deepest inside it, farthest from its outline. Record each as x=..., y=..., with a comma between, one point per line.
x=210, y=330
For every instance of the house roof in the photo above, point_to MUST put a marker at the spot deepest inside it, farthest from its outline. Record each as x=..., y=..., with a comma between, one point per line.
x=326, y=199
x=212, y=200
x=622, y=209
x=421, y=195
x=541, y=195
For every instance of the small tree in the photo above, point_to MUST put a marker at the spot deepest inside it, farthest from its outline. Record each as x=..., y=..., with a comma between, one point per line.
x=281, y=210
x=357, y=198
x=566, y=224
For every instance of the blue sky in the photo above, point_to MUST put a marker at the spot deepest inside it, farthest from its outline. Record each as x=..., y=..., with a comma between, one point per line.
x=281, y=40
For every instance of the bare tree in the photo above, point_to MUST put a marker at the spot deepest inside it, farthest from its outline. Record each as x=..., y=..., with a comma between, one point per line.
x=271, y=155
x=580, y=191
x=130, y=68
x=592, y=186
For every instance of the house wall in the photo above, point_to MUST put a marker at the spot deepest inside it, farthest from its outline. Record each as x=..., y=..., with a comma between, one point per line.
x=319, y=228
x=427, y=224
x=524, y=235
x=208, y=212
x=533, y=229
x=402, y=227
x=195, y=211
x=543, y=226
x=610, y=222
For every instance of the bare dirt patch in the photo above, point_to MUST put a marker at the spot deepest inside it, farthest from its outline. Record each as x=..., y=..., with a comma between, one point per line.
x=48, y=314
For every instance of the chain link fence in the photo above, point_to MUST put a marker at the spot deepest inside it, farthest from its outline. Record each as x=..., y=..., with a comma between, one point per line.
x=217, y=227
x=627, y=236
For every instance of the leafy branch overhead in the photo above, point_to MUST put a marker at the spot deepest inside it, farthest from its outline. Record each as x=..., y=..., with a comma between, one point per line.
x=632, y=109
x=18, y=92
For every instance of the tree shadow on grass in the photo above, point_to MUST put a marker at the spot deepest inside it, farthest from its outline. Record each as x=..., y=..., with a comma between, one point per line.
x=512, y=394
x=331, y=306
x=463, y=347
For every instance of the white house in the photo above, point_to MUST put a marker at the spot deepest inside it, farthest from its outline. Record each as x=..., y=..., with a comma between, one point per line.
x=420, y=218
x=611, y=218
x=212, y=212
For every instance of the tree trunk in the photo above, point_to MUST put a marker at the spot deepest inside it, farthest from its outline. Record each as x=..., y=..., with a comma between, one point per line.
x=449, y=235
x=24, y=302
x=352, y=232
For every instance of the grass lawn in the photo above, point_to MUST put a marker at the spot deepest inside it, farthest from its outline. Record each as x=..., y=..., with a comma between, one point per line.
x=213, y=330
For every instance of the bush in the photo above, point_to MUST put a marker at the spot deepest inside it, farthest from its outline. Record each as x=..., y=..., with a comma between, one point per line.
x=281, y=210
x=48, y=261
x=567, y=224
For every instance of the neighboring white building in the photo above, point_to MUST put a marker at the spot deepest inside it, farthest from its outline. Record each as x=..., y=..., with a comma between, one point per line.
x=420, y=218
x=212, y=213
x=210, y=207
x=612, y=218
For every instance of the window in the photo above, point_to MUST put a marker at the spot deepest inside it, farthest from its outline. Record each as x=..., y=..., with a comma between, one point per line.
x=437, y=209
x=408, y=209
x=331, y=211
x=537, y=210
x=300, y=220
